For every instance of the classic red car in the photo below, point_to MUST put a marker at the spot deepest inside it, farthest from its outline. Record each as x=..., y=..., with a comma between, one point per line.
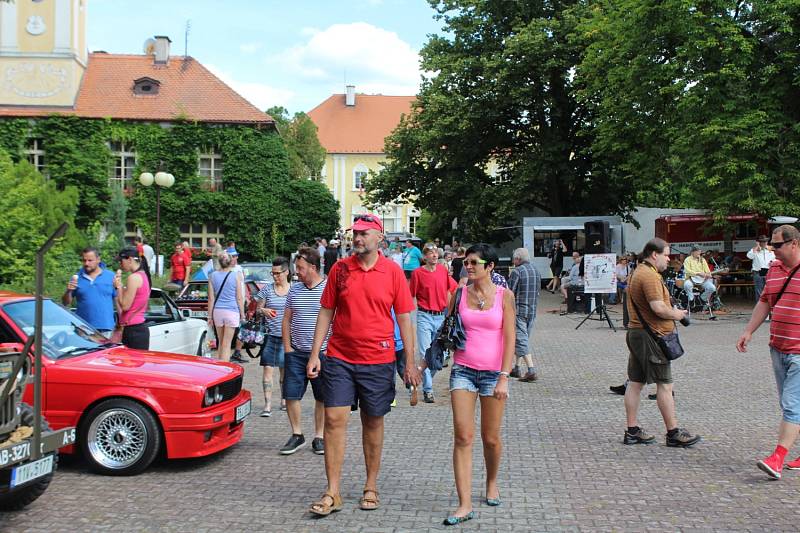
x=129, y=405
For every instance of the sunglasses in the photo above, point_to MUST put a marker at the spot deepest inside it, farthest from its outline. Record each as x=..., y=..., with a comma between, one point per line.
x=365, y=218
x=474, y=262
x=777, y=245
x=274, y=274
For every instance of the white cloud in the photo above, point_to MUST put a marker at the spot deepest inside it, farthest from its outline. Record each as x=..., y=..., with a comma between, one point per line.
x=261, y=95
x=250, y=48
x=373, y=59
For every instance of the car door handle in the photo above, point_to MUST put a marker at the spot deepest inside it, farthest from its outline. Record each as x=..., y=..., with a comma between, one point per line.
x=166, y=331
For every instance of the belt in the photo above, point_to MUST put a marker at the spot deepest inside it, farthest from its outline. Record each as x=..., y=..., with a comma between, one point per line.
x=428, y=312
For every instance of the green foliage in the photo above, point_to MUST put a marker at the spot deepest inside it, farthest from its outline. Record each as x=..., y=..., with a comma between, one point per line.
x=116, y=217
x=306, y=154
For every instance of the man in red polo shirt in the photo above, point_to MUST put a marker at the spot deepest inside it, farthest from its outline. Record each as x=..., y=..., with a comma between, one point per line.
x=179, y=271
x=187, y=253
x=359, y=364
x=432, y=286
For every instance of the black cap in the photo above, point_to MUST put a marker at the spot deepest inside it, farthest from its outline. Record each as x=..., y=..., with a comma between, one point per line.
x=127, y=253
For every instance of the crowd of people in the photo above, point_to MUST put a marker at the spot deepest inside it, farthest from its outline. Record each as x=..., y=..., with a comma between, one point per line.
x=345, y=327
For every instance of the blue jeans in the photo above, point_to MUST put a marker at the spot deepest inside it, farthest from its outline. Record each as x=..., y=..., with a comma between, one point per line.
x=787, y=376
x=427, y=326
x=708, y=289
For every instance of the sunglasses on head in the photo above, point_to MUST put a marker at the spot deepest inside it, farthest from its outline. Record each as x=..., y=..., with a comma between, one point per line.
x=365, y=218
x=474, y=262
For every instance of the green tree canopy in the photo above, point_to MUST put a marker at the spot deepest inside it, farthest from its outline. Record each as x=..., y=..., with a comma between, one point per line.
x=299, y=133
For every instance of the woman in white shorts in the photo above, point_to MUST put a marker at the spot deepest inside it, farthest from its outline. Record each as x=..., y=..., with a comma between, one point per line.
x=225, y=304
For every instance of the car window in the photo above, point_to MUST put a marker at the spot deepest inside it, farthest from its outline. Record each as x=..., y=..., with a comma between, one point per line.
x=159, y=310
x=194, y=291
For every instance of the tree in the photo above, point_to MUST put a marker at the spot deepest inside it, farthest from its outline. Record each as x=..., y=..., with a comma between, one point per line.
x=698, y=104
x=502, y=93
x=306, y=154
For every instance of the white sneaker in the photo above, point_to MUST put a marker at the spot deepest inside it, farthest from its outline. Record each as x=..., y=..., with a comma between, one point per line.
x=265, y=412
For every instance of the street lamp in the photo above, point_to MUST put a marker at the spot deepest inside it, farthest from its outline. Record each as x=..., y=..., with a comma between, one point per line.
x=161, y=179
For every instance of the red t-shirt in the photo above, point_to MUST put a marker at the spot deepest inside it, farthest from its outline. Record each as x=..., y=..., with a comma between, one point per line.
x=363, y=329
x=178, y=262
x=784, y=329
x=431, y=288
x=187, y=253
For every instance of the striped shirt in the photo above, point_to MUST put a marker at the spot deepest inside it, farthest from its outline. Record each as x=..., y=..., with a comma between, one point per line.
x=272, y=300
x=525, y=282
x=784, y=329
x=304, y=304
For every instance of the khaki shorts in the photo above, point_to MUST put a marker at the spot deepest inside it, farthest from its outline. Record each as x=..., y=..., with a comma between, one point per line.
x=646, y=363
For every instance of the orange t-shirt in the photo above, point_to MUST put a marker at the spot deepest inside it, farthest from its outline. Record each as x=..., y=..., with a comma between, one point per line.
x=646, y=286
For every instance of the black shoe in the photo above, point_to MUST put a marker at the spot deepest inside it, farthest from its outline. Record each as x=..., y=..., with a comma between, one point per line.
x=237, y=358
x=618, y=389
x=318, y=446
x=654, y=396
x=640, y=436
x=427, y=397
x=294, y=443
x=682, y=439
x=514, y=373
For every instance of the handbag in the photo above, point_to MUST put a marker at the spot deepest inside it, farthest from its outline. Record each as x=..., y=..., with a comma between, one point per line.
x=452, y=336
x=252, y=333
x=670, y=344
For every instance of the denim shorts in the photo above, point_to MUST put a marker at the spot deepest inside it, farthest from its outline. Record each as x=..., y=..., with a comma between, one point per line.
x=787, y=376
x=295, y=379
x=481, y=381
x=272, y=351
x=370, y=387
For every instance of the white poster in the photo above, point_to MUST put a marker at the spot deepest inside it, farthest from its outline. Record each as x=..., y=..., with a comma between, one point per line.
x=599, y=271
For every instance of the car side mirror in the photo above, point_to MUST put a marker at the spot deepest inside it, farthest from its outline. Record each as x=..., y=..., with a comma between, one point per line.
x=186, y=313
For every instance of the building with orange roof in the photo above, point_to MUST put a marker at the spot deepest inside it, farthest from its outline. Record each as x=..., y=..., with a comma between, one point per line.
x=353, y=128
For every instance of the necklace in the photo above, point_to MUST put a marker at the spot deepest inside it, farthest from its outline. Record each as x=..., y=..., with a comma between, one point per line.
x=481, y=301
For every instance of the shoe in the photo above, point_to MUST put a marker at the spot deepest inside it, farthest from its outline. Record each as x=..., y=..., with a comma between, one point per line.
x=394, y=403
x=455, y=520
x=514, y=373
x=294, y=443
x=283, y=407
x=529, y=377
x=237, y=358
x=427, y=397
x=618, y=389
x=640, y=436
x=654, y=396
x=266, y=413
x=318, y=446
x=493, y=502
x=682, y=439
x=772, y=466
x=793, y=465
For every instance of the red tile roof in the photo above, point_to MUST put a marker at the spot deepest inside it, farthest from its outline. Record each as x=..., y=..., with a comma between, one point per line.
x=187, y=90
x=361, y=128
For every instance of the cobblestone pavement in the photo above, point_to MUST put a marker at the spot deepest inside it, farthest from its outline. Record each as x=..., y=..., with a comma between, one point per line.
x=564, y=466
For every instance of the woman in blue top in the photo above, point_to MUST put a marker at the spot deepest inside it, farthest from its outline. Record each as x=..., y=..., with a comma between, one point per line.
x=225, y=304
x=273, y=303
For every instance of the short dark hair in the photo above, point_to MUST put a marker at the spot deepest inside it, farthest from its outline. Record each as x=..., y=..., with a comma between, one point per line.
x=485, y=252
x=653, y=245
x=310, y=255
x=282, y=262
x=138, y=238
x=90, y=249
x=788, y=232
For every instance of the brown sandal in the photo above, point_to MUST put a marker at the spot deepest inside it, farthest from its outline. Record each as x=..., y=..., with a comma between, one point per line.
x=321, y=506
x=368, y=503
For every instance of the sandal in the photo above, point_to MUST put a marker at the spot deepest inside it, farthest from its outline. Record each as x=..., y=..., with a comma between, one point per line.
x=368, y=503
x=321, y=506
x=455, y=520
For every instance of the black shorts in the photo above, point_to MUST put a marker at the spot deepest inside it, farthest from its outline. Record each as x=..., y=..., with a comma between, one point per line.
x=371, y=387
x=137, y=337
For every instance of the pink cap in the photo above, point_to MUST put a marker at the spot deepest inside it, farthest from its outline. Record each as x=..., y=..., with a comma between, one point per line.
x=368, y=221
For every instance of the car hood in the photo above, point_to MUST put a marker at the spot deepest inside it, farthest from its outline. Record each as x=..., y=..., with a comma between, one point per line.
x=150, y=369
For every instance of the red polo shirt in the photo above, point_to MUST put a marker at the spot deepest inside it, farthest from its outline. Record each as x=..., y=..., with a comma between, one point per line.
x=431, y=288
x=187, y=253
x=178, y=262
x=784, y=328
x=363, y=329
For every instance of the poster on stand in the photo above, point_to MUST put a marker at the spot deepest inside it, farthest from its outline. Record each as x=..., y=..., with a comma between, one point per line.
x=600, y=273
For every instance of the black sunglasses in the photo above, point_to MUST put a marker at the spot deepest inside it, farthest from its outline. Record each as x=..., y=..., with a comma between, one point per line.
x=365, y=218
x=777, y=245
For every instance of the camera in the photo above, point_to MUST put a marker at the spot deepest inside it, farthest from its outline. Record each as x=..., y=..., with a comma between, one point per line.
x=685, y=321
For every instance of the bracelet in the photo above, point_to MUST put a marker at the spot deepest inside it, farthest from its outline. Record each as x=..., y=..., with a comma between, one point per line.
x=504, y=374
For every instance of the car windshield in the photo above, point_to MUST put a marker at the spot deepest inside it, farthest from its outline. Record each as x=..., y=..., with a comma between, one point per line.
x=257, y=272
x=63, y=333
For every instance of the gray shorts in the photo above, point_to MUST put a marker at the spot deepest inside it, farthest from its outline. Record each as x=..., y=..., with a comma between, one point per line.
x=524, y=327
x=646, y=363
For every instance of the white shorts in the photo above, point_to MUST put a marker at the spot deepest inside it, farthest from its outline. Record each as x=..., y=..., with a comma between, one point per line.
x=226, y=317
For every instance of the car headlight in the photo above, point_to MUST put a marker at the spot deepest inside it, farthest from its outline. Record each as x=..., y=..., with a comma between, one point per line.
x=208, y=398
x=217, y=395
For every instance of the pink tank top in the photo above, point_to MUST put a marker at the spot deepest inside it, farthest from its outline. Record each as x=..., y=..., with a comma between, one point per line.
x=484, y=329
x=135, y=313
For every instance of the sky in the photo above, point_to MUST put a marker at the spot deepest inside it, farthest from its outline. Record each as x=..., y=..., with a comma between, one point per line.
x=280, y=52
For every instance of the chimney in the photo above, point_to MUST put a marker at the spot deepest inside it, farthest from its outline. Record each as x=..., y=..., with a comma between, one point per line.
x=350, y=97
x=162, y=49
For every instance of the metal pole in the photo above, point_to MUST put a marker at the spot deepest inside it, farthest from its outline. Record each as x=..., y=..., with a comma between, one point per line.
x=158, y=224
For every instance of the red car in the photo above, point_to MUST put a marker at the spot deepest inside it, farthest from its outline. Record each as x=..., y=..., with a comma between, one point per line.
x=129, y=405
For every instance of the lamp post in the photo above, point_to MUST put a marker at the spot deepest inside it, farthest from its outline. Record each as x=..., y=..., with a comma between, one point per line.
x=161, y=179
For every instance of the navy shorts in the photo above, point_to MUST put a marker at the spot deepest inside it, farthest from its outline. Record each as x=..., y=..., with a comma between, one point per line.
x=272, y=351
x=295, y=379
x=371, y=387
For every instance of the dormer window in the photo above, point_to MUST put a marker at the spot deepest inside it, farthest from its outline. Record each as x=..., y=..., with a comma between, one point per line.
x=146, y=86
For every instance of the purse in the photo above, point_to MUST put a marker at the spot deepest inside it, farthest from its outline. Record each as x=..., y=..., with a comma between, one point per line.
x=452, y=336
x=252, y=333
x=670, y=344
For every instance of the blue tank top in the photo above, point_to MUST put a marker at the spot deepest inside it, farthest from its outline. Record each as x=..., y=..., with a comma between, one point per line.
x=226, y=299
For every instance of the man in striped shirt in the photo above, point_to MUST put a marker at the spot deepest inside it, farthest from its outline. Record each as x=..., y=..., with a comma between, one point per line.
x=781, y=296
x=525, y=282
x=299, y=321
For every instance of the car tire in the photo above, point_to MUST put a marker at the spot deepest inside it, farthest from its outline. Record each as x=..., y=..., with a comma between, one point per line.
x=203, y=350
x=119, y=437
x=18, y=498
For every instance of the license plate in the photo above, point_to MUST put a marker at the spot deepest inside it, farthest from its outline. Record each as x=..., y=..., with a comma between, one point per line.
x=242, y=411
x=29, y=472
x=202, y=314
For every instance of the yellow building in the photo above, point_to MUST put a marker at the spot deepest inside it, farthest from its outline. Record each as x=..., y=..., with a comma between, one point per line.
x=352, y=128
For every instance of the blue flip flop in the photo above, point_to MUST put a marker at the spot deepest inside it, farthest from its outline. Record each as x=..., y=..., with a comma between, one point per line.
x=493, y=502
x=455, y=520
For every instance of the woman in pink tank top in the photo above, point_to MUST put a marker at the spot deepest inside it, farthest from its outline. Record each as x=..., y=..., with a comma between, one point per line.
x=132, y=299
x=480, y=370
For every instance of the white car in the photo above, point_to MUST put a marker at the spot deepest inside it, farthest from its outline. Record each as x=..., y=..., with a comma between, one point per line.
x=170, y=331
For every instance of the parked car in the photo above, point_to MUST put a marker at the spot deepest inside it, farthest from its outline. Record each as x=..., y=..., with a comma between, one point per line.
x=171, y=331
x=193, y=298
x=128, y=405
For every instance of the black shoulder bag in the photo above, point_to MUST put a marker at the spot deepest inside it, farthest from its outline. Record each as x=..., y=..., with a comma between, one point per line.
x=670, y=344
x=786, y=284
x=217, y=293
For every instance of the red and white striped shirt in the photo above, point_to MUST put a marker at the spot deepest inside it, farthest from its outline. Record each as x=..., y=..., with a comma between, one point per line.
x=784, y=331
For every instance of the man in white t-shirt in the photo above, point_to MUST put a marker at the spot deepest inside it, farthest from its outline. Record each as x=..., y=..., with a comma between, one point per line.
x=762, y=256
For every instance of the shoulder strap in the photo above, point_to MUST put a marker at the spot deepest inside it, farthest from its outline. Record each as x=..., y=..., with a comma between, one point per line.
x=786, y=283
x=638, y=313
x=216, y=296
